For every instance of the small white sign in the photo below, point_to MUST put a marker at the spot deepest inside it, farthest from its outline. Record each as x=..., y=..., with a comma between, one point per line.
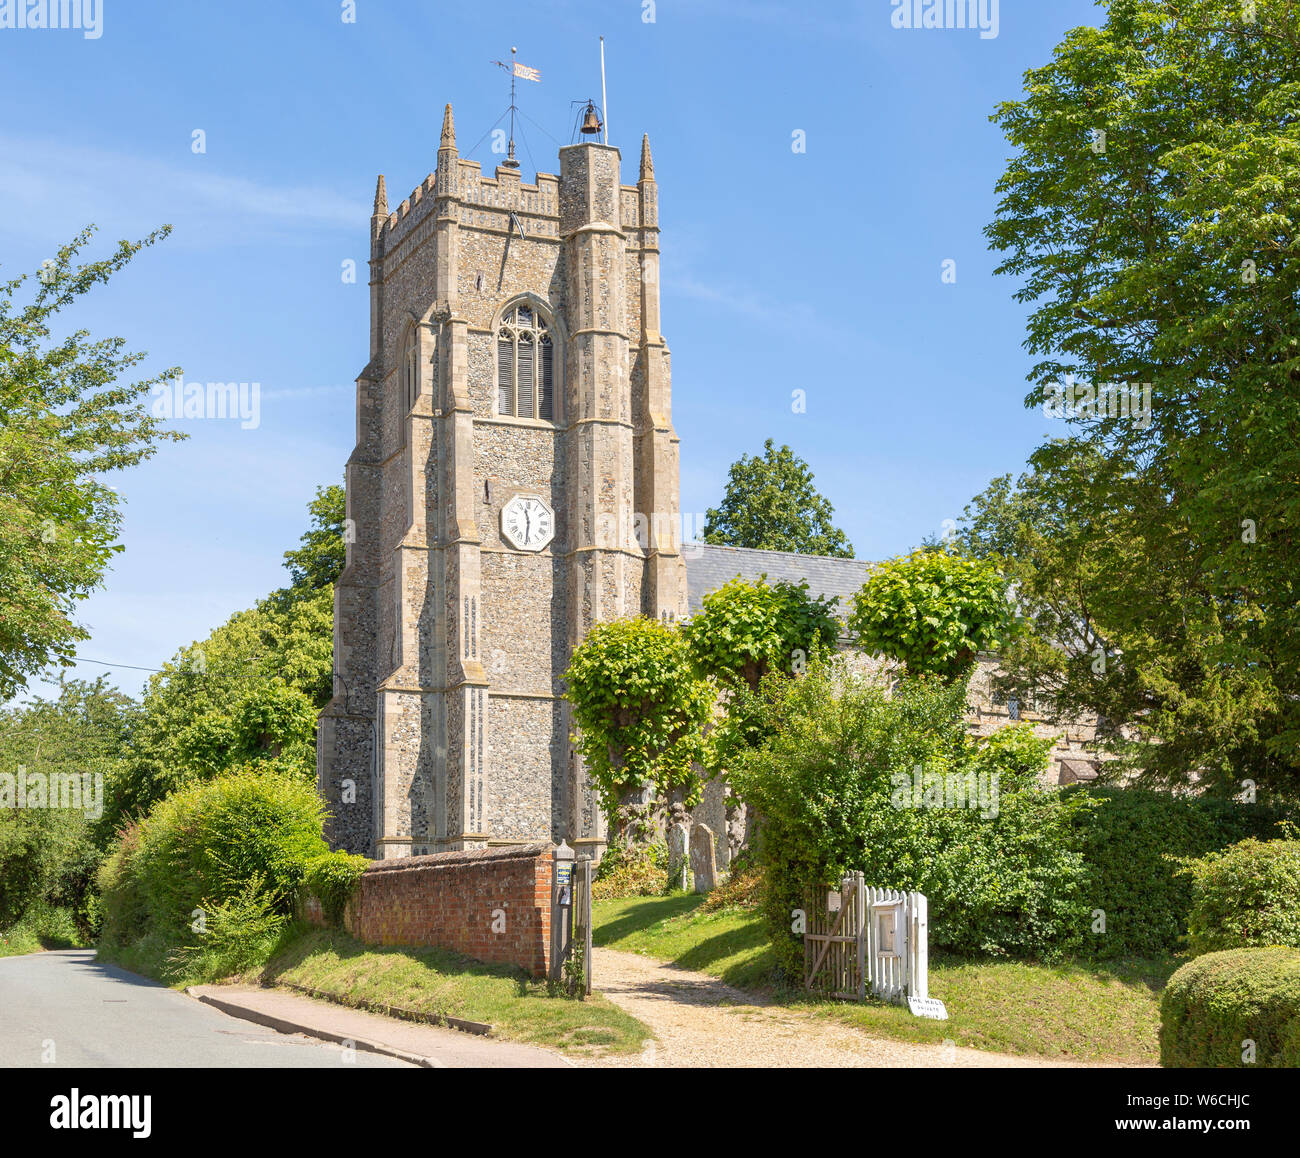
x=886, y=926
x=930, y=1007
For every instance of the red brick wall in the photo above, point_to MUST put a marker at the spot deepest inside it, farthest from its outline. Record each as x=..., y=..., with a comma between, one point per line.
x=451, y=900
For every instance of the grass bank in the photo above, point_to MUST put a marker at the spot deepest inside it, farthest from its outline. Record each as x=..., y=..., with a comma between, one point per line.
x=1081, y=1011
x=446, y=983
x=425, y=980
x=42, y=928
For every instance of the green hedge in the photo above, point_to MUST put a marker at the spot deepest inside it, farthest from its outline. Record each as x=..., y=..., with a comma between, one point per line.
x=332, y=879
x=1129, y=842
x=837, y=788
x=1247, y=896
x=1215, y=1006
x=205, y=846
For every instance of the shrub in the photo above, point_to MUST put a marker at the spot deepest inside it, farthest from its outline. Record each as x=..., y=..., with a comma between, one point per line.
x=834, y=785
x=743, y=889
x=932, y=610
x=1131, y=843
x=1015, y=755
x=200, y=848
x=236, y=935
x=124, y=914
x=1245, y=896
x=332, y=879
x=631, y=880
x=43, y=926
x=1217, y=1004
x=630, y=870
x=640, y=709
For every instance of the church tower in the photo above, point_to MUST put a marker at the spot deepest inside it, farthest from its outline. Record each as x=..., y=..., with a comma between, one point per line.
x=514, y=481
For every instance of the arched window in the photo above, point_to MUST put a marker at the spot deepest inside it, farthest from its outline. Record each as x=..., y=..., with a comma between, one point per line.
x=411, y=369
x=525, y=365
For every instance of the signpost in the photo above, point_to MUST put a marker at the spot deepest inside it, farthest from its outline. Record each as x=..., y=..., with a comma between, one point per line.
x=570, y=915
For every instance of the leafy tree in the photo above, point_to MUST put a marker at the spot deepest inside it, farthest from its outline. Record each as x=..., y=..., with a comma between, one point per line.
x=319, y=561
x=65, y=421
x=640, y=707
x=771, y=504
x=933, y=610
x=1088, y=646
x=1245, y=896
x=48, y=856
x=1149, y=215
x=746, y=630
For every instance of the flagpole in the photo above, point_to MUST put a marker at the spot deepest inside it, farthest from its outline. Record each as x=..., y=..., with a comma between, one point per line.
x=604, y=100
x=513, y=51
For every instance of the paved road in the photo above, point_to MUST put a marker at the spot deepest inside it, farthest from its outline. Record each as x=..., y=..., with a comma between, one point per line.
x=100, y=1016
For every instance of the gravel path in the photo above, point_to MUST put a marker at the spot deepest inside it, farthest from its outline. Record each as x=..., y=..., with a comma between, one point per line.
x=701, y=1022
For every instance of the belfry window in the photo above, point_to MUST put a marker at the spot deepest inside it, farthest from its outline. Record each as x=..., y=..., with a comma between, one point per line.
x=525, y=365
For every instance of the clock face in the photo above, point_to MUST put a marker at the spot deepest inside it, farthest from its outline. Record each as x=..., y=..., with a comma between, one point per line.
x=527, y=523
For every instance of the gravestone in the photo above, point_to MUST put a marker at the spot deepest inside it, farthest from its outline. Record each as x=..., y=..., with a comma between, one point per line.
x=703, y=866
x=678, y=839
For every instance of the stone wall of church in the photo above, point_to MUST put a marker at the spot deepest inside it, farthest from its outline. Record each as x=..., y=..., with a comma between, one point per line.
x=524, y=796
x=986, y=713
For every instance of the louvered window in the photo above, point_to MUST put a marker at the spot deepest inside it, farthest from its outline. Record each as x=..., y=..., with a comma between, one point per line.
x=525, y=366
x=546, y=395
x=505, y=373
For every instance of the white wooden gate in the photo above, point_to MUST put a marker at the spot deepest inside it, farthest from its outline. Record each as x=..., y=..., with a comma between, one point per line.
x=862, y=938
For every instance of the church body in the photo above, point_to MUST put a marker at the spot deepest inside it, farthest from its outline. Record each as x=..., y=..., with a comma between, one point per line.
x=514, y=481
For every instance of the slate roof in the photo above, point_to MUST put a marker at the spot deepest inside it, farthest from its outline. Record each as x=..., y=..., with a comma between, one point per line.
x=708, y=568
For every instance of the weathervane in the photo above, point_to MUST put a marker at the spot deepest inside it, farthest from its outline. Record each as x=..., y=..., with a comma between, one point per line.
x=522, y=72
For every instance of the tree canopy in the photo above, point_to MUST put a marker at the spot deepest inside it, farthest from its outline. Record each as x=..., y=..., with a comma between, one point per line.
x=1149, y=215
x=640, y=708
x=933, y=610
x=771, y=504
x=65, y=421
x=745, y=630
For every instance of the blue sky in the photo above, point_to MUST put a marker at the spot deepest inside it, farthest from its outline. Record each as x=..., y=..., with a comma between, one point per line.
x=817, y=271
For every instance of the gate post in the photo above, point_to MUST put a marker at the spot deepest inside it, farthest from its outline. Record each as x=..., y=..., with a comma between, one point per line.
x=561, y=908
x=583, y=884
x=860, y=931
x=921, y=946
